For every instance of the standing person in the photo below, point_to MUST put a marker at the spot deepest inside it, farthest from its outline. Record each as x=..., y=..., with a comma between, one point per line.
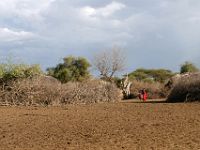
x=144, y=95
x=140, y=95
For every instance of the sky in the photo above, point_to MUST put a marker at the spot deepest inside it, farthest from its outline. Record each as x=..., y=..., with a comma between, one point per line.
x=151, y=33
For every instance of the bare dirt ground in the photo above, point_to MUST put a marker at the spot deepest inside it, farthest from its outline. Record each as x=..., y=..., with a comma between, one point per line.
x=127, y=125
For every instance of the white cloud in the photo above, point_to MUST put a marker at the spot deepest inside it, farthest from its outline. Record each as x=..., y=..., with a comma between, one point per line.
x=105, y=11
x=88, y=11
x=110, y=9
x=8, y=35
x=153, y=26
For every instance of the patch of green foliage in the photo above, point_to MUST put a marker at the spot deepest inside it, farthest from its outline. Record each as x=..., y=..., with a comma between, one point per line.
x=72, y=69
x=12, y=71
x=151, y=75
x=188, y=67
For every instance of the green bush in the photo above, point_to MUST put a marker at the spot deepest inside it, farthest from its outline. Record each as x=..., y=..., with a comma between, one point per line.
x=188, y=67
x=72, y=69
x=11, y=71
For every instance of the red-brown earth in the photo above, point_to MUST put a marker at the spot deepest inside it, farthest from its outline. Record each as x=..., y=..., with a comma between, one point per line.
x=117, y=126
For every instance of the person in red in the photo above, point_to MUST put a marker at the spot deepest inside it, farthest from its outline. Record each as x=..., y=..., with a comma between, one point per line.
x=144, y=95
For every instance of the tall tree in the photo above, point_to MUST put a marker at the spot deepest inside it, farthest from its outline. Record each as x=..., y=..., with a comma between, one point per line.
x=72, y=69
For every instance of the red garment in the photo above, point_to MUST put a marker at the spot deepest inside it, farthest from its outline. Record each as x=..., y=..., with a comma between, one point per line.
x=144, y=96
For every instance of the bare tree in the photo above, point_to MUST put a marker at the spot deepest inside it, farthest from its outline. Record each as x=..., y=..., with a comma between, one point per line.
x=109, y=62
x=126, y=87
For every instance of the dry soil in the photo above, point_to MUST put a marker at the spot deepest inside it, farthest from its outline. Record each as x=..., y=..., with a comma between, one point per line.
x=129, y=126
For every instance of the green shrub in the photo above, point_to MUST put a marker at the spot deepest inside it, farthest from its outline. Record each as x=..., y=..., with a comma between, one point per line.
x=13, y=71
x=188, y=67
x=72, y=69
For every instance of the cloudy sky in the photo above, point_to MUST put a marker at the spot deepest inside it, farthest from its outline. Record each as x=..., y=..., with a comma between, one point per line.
x=152, y=33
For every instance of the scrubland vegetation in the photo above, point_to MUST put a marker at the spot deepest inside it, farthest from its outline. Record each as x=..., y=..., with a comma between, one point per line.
x=106, y=125
x=70, y=82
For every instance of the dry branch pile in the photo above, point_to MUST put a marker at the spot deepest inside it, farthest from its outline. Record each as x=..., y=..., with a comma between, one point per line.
x=186, y=89
x=39, y=90
x=91, y=91
x=44, y=90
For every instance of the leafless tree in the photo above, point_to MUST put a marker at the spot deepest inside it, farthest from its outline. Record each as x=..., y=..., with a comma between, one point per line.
x=126, y=86
x=109, y=62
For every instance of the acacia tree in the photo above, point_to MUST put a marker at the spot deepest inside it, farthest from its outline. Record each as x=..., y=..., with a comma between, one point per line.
x=109, y=62
x=72, y=69
x=188, y=67
x=160, y=75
